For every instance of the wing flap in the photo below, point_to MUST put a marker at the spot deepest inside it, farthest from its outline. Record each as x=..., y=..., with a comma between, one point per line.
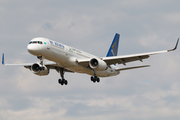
x=132, y=67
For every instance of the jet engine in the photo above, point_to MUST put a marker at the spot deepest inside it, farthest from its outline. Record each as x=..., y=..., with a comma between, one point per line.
x=39, y=69
x=98, y=64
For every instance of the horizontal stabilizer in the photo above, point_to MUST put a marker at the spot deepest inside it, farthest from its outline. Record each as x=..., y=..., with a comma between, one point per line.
x=132, y=67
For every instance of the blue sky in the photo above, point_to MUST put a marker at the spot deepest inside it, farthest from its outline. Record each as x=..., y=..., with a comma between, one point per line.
x=142, y=94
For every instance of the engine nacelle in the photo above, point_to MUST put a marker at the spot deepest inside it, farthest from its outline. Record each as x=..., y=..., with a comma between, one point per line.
x=98, y=64
x=39, y=69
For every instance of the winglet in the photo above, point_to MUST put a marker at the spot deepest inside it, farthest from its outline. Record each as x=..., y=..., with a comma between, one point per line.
x=175, y=46
x=3, y=59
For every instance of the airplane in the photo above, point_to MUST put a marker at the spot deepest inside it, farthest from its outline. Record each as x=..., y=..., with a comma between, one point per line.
x=64, y=58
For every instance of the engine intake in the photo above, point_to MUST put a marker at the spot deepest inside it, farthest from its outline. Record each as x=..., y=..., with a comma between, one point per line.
x=98, y=64
x=39, y=69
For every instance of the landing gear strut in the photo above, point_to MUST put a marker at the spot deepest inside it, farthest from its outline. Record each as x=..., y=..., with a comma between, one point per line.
x=41, y=58
x=62, y=81
x=95, y=78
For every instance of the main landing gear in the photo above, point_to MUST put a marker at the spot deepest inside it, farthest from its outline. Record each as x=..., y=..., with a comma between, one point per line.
x=95, y=78
x=62, y=81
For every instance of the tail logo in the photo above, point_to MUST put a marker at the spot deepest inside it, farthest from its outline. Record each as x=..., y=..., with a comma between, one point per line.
x=114, y=49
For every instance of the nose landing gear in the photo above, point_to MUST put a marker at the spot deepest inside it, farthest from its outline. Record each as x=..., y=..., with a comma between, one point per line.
x=41, y=58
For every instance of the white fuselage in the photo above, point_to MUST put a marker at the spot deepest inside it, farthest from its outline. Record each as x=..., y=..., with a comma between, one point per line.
x=66, y=57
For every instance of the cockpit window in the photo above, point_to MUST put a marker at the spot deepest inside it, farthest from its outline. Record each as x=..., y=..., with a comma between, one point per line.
x=40, y=42
x=35, y=42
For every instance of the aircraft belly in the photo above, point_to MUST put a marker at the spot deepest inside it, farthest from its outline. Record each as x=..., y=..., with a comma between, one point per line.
x=106, y=73
x=86, y=70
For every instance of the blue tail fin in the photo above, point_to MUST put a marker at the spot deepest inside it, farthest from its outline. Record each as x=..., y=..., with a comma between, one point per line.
x=113, y=50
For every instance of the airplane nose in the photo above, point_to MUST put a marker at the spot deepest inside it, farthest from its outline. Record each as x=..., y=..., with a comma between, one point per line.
x=33, y=49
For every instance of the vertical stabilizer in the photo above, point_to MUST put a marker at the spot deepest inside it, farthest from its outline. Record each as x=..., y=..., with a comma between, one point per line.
x=113, y=50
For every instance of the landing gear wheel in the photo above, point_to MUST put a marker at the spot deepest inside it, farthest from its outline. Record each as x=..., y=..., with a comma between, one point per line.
x=62, y=82
x=95, y=79
x=65, y=82
x=92, y=78
x=98, y=80
x=59, y=81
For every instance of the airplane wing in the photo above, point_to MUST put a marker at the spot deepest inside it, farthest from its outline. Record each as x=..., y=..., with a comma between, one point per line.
x=126, y=58
x=23, y=64
x=48, y=64
x=135, y=57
